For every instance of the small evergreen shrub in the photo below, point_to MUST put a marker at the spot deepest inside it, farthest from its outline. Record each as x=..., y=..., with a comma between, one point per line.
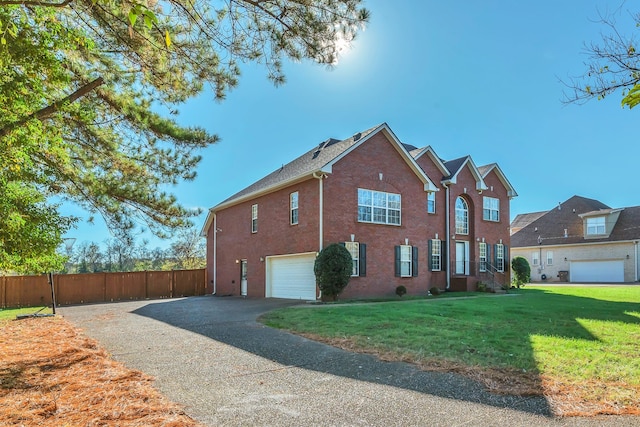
x=401, y=290
x=521, y=271
x=332, y=269
x=481, y=287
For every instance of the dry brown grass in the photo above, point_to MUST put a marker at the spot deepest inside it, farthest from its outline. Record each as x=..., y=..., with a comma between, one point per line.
x=566, y=399
x=52, y=375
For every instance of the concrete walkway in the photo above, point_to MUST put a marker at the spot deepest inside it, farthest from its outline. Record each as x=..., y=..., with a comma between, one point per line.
x=210, y=355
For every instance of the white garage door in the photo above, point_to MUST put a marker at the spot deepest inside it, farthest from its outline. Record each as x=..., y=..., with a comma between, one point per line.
x=596, y=271
x=291, y=277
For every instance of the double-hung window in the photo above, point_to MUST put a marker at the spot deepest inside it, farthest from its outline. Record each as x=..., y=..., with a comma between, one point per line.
x=378, y=207
x=406, y=261
x=596, y=225
x=500, y=257
x=431, y=202
x=436, y=254
x=535, y=258
x=549, y=257
x=354, y=250
x=293, y=208
x=490, y=209
x=254, y=218
x=482, y=256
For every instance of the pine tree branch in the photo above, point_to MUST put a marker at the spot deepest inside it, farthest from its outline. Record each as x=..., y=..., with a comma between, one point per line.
x=34, y=3
x=49, y=110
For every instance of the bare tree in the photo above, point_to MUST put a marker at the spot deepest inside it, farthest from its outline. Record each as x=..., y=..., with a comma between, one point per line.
x=613, y=64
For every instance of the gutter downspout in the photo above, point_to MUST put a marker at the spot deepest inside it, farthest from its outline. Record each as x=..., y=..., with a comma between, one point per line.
x=319, y=177
x=635, y=245
x=448, y=239
x=215, y=253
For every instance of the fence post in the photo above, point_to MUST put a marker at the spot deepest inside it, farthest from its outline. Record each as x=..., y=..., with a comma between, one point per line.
x=172, y=282
x=104, y=286
x=3, y=291
x=146, y=284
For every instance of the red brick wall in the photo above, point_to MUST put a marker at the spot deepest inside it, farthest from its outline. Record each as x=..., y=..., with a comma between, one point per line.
x=362, y=169
x=359, y=169
x=275, y=236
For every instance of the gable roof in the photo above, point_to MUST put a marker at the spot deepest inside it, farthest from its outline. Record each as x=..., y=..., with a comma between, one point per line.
x=456, y=165
x=429, y=152
x=487, y=169
x=550, y=227
x=318, y=160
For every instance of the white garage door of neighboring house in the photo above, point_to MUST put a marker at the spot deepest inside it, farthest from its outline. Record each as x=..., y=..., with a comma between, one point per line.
x=596, y=271
x=291, y=276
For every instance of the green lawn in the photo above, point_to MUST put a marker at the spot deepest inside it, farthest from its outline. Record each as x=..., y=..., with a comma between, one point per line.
x=573, y=334
x=11, y=313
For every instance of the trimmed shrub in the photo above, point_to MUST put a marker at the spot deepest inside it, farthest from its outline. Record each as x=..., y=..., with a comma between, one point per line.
x=435, y=290
x=401, y=290
x=333, y=268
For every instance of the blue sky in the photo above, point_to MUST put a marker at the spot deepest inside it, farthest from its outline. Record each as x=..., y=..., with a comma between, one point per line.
x=466, y=77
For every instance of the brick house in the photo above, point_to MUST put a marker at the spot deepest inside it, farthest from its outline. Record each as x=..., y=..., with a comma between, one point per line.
x=581, y=240
x=407, y=217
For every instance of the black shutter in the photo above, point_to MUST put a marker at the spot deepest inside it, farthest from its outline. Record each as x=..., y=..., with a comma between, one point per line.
x=414, y=261
x=363, y=259
x=507, y=262
x=429, y=255
x=488, y=246
x=397, y=254
x=495, y=256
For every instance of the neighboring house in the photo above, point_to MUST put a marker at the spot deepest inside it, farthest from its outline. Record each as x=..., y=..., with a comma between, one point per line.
x=581, y=240
x=407, y=217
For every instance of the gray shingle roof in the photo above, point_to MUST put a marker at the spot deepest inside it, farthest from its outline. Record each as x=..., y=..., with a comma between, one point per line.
x=311, y=161
x=551, y=225
x=522, y=220
x=453, y=166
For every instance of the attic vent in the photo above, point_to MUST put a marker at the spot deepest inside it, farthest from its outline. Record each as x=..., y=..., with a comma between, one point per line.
x=324, y=145
x=357, y=136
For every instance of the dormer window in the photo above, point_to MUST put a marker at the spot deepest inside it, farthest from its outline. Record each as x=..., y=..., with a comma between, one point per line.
x=596, y=225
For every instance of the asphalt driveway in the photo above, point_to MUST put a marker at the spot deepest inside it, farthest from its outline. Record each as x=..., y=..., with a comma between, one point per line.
x=210, y=355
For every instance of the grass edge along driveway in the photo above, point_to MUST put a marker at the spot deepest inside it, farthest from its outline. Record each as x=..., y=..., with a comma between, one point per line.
x=577, y=346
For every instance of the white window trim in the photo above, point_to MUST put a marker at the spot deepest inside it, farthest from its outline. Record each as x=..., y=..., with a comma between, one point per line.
x=462, y=227
x=500, y=257
x=293, y=208
x=404, y=261
x=482, y=257
x=488, y=209
x=593, y=230
x=436, y=255
x=431, y=201
x=386, y=208
x=535, y=258
x=254, y=218
x=354, y=250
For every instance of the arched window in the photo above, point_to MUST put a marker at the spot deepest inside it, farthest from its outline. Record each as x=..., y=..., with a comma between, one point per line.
x=462, y=216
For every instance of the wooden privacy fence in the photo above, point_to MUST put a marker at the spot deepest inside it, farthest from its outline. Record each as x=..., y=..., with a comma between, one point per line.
x=29, y=291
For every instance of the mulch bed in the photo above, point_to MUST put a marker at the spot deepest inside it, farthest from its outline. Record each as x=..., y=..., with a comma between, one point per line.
x=50, y=374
